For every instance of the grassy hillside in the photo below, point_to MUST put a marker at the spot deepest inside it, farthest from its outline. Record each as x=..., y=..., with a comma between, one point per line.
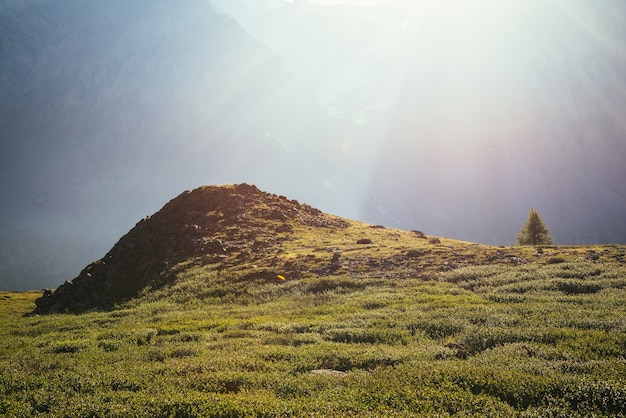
x=532, y=340
x=407, y=325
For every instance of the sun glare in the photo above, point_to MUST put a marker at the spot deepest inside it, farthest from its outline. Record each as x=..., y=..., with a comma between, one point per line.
x=353, y=2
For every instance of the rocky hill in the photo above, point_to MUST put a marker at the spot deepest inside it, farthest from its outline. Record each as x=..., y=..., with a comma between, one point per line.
x=252, y=235
x=215, y=224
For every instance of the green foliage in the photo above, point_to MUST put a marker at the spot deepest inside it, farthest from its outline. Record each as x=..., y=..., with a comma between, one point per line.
x=534, y=231
x=546, y=338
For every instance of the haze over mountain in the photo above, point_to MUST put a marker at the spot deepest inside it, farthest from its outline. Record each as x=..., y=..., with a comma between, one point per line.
x=481, y=108
x=451, y=117
x=109, y=108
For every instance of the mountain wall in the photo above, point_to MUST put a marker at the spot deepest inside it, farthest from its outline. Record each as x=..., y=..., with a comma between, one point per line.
x=108, y=108
x=472, y=112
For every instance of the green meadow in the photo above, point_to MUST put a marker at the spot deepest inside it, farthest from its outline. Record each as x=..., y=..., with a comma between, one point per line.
x=539, y=339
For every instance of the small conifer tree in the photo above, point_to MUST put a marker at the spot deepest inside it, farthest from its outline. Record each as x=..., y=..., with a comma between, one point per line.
x=534, y=231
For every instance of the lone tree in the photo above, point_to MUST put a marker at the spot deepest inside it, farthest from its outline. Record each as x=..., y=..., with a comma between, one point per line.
x=534, y=231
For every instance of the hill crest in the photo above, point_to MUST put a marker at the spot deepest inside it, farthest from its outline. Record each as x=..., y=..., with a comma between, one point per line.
x=211, y=223
x=246, y=234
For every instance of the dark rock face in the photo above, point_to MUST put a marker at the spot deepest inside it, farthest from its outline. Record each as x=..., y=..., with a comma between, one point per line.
x=335, y=263
x=209, y=222
x=419, y=234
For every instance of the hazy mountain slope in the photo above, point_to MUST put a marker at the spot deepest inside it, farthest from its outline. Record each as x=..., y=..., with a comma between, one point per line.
x=472, y=112
x=107, y=108
x=545, y=128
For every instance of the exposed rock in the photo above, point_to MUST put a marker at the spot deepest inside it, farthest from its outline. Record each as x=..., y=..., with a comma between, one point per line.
x=213, y=246
x=593, y=256
x=414, y=253
x=501, y=256
x=434, y=241
x=364, y=241
x=419, y=234
x=210, y=223
x=284, y=228
x=335, y=264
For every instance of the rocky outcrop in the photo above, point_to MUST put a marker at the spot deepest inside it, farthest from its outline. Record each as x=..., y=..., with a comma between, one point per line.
x=211, y=223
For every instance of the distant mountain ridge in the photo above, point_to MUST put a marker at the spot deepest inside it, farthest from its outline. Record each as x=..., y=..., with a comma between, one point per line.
x=108, y=108
x=472, y=112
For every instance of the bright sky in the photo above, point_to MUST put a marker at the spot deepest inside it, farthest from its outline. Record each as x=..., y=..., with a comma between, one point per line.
x=357, y=2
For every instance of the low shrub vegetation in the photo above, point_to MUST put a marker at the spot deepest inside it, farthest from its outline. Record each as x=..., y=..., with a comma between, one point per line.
x=530, y=340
